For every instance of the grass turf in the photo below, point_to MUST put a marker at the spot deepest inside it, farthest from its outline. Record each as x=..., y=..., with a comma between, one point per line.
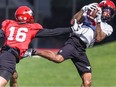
x=39, y=72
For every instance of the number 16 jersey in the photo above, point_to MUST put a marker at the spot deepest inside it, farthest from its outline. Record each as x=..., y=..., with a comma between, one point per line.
x=18, y=35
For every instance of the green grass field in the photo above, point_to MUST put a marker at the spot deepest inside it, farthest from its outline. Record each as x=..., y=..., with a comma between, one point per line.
x=39, y=72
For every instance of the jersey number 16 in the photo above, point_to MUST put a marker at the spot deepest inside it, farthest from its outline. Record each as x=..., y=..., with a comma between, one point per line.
x=20, y=34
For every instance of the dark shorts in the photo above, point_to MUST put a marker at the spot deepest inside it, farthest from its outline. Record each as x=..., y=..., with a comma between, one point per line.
x=78, y=57
x=7, y=64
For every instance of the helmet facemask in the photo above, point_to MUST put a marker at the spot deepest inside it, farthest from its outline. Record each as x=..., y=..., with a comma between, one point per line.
x=107, y=13
x=24, y=15
x=109, y=8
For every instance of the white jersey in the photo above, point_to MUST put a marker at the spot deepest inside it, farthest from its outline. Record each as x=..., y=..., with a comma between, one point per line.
x=87, y=32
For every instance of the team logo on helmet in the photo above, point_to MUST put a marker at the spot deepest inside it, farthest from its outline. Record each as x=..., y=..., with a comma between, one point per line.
x=24, y=14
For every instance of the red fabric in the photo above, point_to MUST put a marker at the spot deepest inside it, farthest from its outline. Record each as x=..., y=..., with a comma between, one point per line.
x=19, y=35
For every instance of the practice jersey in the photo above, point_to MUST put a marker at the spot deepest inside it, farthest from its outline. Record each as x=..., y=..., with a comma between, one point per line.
x=87, y=30
x=19, y=35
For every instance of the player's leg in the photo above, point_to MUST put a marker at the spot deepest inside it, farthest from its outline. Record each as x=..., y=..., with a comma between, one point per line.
x=83, y=66
x=13, y=80
x=63, y=54
x=7, y=67
x=4, y=77
x=50, y=55
x=47, y=54
x=87, y=79
x=3, y=82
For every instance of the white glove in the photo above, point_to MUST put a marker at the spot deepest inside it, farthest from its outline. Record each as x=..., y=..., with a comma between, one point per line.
x=99, y=14
x=75, y=26
x=91, y=7
x=28, y=53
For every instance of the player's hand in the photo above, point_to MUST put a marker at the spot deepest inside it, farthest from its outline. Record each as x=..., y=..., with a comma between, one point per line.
x=75, y=26
x=90, y=7
x=99, y=14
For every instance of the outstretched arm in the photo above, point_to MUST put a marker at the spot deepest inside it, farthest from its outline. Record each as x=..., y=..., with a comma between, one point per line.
x=57, y=31
x=78, y=16
x=53, y=32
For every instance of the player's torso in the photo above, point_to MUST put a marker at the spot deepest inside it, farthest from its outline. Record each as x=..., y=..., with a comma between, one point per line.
x=86, y=31
x=86, y=34
x=19, y=35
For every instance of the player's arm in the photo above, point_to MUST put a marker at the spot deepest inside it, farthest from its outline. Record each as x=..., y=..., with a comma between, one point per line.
x=100, y=35
x=53, y=32
x=78, y=16
x=57, y=31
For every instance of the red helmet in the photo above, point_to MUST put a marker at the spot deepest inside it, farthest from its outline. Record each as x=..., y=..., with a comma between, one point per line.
x=24, y=15
x=108, y=5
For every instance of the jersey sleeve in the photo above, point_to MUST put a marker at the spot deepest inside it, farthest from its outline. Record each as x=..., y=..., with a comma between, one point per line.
x=35, y=28
x=107, y=29
x=5, y=24
x=53, y=32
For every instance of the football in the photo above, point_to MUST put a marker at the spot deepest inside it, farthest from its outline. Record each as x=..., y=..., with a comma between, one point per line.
x=92, y=13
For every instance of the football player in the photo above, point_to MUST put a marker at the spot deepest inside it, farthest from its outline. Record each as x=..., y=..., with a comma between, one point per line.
x=18, y=35
x=91, y=23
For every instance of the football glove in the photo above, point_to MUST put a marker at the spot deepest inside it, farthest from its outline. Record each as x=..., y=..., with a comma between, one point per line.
x=91, y=7
x=75, y=26
x=99, y=14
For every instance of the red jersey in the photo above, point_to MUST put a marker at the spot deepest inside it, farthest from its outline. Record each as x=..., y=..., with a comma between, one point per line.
x=18, y=35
